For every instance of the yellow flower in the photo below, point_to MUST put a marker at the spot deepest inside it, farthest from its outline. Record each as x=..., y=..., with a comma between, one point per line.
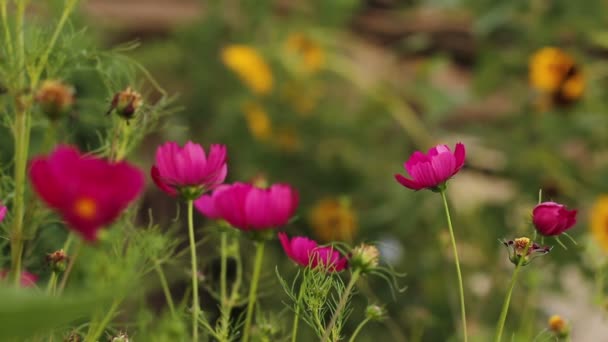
x=332, y=219
x=599, y=222
x=310, y=53
x=258, y=121
x=555, y=73
x=250, y=67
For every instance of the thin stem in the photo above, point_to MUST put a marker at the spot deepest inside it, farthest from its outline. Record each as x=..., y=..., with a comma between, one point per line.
x=341, y=305
x=457, y=262
x=257, y=268
x=68, y=269
x=359, y=327
x=7, y=30
x=505, y=306
x=195, y=304
x=52, y=285
x=296, y=317
x=95, y=330
x=165, y=286
x=225, y=307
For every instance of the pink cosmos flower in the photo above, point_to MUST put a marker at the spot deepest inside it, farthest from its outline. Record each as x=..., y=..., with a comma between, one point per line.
x=432, y=170
x=552, y=218
x=188, y=171
x=27, y=279
x=306, y=252
x=3, y=211
x=249, y=208
x=88, y=192
x=206, y=203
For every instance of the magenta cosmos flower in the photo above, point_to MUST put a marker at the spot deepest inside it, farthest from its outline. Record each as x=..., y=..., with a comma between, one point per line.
x=306, y=252
x=3, y=211
x=552, y=218
x=27, y=279
x=188, y=171
x=432, y=170
x=247, y=207
x=87, y=191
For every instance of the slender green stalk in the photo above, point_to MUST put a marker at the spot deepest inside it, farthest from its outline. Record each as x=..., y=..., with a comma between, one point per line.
x=296, y=317
x=505, y=306
x=359, y=327
x=341, y=305
x=95, y=330
x=7, y=30
x=257, y=268
x=195, y=304
x=457, y=262
x=52, y=284
x=165, y=286
x=224, y=305
x=68, y=269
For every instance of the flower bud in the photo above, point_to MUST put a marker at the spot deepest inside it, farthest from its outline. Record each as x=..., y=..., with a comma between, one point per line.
x=57, y=261
x=73, y=337
x=126, y=103
x=524, y=248
x=558, y=326
x=375, y=312
x=55, y=98
x=364, y=258
x=121, y=337
x=552, y=218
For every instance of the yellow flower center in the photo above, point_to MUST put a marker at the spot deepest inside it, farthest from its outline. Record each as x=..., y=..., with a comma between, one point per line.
x=85, y=207
x=556, y=323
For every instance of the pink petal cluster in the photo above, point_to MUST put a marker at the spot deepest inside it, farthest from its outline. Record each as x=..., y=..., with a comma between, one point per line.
x=431, y=170
x=178, y=169
x=247, y=207
x=552, y=218
x=3, y=211
x=27, y=279
x=307, y=253
x=88, y=192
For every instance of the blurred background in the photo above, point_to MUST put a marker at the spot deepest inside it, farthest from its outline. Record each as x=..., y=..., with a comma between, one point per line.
x=333, y=96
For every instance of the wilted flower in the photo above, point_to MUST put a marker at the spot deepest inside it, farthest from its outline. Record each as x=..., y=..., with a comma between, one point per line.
x=375, y=312
x=126, y=103
x=187, y=171
x=87, y=191
x=524, y=248
x=333, y=219
x=599, y=221
x=27, y=279
x=558, y=326
x=250, y=208
x=306, y=252
x=55, y=98
x=555, y=73
x=258, y=121
x=364, y=258
x=249, y=66
x=552, y=218
x=309, y=52
x=57, y=260
x=432, y=170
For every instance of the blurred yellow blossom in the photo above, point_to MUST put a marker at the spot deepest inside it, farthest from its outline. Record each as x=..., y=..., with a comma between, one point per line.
x=309, y=52
x=333, y=219
x=250, y=67
x=599, y=222
x=555, y=73
x=258, y=121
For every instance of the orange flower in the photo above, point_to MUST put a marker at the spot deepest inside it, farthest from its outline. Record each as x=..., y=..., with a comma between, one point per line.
x=310, y=53
x=249, y=66
x=332, y=219
x=554, y=73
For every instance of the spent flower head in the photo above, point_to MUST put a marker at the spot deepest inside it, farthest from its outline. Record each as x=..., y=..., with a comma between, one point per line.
x=125, y=103
x=364, y=258
x=524, y=248
x=55, y=98
x=558, y=326
x=57, y=260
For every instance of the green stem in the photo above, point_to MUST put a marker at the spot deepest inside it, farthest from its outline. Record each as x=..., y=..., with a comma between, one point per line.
x=225, y=308
x=165, y=286
x=457, y=262
x=195, y=304
x=52, y=285
x=296, y=317
x=7, y=30
x=71, y=262
x=359, y=327
x=257, y=268
x=95, y=330
x=341, y=305
x=505, y=306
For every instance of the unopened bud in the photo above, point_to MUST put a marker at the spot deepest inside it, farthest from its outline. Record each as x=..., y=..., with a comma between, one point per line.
x=121, y=337
x=558, y=326
x=55, y=98
x=73, y=337
x=126, y=103
x=364, y=258
x=57, y=260
x=375, y=312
